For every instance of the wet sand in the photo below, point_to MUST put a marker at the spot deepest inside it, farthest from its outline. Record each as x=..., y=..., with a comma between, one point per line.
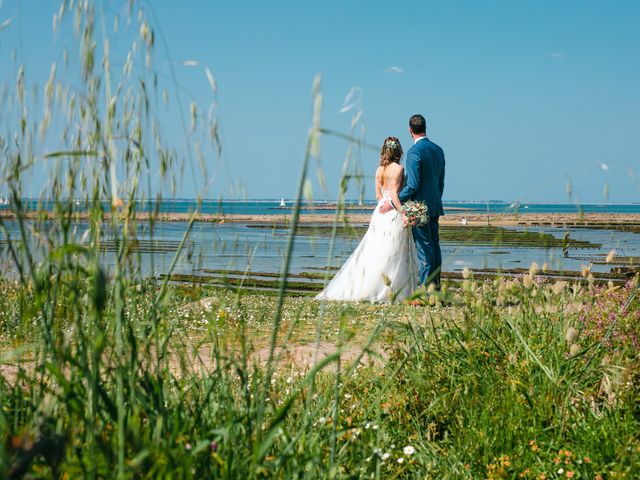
x=590, y=220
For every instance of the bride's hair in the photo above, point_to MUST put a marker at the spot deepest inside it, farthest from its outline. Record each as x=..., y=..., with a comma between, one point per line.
x=391, y=151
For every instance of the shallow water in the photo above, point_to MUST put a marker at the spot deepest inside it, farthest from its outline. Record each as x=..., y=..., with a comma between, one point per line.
x=238, y=247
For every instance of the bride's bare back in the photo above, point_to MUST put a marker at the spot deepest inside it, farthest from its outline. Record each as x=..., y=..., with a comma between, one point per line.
x=390, y=178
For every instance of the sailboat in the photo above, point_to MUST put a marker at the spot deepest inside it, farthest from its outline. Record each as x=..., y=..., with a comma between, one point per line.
x=282, y=204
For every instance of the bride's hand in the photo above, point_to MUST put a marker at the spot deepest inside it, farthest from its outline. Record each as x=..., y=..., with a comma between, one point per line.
x=386, y=207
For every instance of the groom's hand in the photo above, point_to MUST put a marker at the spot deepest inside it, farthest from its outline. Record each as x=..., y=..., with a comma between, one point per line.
x=386, y=207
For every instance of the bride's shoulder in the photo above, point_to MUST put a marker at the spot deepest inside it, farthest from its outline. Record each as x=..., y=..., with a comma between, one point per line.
x=397, y=169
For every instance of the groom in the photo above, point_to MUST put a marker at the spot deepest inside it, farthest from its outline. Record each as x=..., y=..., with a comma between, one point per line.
x=424, y=183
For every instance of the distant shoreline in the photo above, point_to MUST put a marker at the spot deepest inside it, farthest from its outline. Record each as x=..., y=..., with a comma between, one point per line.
x=369, y=207
x=596, y=220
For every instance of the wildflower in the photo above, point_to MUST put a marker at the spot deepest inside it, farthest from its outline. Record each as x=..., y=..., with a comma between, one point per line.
x=466, y=273
x=214, y=446
x=611, y=256
x=587, y=460
x=187, y=446
x=400, y=460
x=409, y=450
x=559, y=287
x=385, y=455
x=533, y=269
x=586, y=270
x=571, y=335
x=574, y=350
x=527, y=281
x=570, y=474
x=560, y=471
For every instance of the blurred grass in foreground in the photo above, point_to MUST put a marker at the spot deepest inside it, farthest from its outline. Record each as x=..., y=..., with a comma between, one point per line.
x=504, y=378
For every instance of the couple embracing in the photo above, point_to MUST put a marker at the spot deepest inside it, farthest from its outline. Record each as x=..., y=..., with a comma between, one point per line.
x=396, y=255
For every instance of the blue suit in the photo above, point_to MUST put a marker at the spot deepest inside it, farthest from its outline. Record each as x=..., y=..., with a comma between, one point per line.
x=425, y=183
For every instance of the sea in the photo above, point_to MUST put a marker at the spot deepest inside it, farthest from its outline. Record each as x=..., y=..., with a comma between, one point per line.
x=271, y=206
x=240, y=247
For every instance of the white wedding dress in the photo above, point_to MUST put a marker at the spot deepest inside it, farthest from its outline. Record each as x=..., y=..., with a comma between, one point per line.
x=383, y=267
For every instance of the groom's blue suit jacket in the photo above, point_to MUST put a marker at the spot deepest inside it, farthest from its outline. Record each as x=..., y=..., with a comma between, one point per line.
x=425, y=176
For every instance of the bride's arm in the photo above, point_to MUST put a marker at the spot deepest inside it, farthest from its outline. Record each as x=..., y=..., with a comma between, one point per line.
x=394, y=188
x=379, y=183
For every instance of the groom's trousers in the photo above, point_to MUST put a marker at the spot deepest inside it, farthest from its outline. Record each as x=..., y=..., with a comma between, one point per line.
x=427, y=240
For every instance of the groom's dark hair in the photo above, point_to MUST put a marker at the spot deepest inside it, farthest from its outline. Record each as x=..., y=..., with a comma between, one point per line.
x=418, y=124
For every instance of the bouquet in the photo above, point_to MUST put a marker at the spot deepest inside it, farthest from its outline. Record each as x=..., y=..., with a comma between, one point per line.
x=416, y=214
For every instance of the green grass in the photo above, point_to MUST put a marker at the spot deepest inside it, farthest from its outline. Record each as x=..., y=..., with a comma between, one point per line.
x=478, y=389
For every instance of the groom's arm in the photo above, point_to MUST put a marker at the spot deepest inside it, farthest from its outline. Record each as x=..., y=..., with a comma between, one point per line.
x=413, y=176
x=442, y=177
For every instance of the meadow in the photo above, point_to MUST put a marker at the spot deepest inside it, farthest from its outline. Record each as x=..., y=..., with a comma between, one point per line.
x=108, y=373
x=496, y=379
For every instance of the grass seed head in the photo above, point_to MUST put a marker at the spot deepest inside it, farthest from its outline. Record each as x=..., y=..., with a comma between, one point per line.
x=611, y=256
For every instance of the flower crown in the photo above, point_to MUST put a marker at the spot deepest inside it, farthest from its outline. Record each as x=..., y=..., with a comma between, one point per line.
x=391, y=144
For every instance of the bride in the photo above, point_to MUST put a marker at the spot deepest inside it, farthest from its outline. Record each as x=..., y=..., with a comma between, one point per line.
x=384, y=265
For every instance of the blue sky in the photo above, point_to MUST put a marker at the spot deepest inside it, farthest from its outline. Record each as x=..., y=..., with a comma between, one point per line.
x=524, y=96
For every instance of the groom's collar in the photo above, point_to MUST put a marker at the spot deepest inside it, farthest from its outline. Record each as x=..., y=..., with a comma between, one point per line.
x=418, y=139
